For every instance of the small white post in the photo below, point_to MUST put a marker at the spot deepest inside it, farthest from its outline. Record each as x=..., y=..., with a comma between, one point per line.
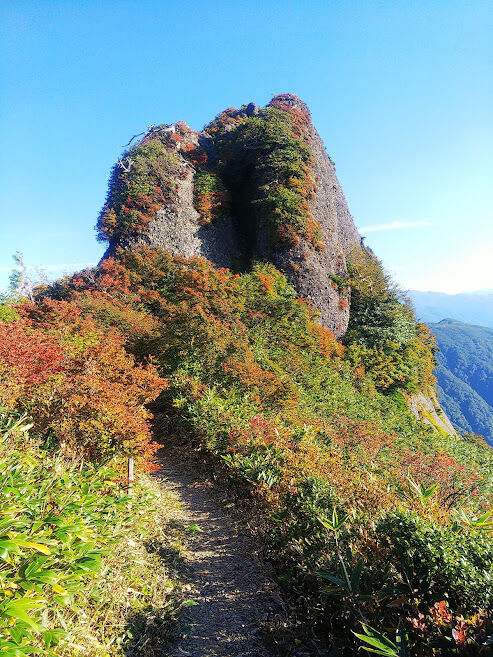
x=130, y=474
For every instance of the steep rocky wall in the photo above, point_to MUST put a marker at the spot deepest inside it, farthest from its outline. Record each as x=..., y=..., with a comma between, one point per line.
x=427, y=408
x=310, y=269
x=178, y=227
x=179, y=231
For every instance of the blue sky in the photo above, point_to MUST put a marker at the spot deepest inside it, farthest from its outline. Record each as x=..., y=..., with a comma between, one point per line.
x=400, y=91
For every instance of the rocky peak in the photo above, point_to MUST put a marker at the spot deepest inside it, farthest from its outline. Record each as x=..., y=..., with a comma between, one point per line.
x=255, y=183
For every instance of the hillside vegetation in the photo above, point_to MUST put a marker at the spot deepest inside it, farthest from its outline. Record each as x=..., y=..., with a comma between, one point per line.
x=378, y=525
x=345, y=482
x=80, y=565
x=80, y=568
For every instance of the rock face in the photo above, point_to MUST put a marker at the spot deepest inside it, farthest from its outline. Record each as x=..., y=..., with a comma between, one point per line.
x=427, y=408
x=179, y=228
x=310, y=269
x=256, y=183
x=179, y=231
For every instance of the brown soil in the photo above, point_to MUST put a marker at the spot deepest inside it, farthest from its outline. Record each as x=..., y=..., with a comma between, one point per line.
x=238, y=611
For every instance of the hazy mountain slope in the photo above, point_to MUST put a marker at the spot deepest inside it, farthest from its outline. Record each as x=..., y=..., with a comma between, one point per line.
x=465, y=374
x=465, y=408
x=471, y=308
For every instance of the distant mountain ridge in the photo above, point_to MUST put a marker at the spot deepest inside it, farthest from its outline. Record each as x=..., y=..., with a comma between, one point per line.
x=469, y=307
x=465, y=375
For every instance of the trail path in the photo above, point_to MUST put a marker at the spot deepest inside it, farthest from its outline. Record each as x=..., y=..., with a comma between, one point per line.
x=235, y=596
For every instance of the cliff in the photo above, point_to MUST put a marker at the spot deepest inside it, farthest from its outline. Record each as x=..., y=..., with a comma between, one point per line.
x=256, y=184
x=236, y=192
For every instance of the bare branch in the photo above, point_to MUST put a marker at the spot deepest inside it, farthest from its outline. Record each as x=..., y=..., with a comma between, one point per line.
x=125, y=164
x=135, y=137
x=152, y=130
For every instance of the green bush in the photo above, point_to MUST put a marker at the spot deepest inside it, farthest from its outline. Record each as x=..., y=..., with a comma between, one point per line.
x=7, y=312
x=298, y=530
x=439, y=562
x=383, y=335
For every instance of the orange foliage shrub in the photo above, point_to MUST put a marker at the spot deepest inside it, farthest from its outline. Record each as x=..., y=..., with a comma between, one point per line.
x=27, y=359
x=76, y=381
x=327, y=341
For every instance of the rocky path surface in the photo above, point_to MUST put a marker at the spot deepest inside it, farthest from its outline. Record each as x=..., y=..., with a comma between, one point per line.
x=235, y=598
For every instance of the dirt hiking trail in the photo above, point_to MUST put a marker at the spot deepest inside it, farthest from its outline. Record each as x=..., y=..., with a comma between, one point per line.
x=236, y=600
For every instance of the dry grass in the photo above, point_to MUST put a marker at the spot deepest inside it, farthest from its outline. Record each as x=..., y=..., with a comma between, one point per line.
x=131, y=607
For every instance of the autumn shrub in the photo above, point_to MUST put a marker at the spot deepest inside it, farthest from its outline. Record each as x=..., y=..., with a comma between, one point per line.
x=7, y=311
x=431, y=579
x=339, y=282
x=142, y=182
x=76, y=381
x=210, y=196
x=300, y=429
x=298, y=529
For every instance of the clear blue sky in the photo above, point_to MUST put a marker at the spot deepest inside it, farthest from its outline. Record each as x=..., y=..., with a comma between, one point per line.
x=400, y=92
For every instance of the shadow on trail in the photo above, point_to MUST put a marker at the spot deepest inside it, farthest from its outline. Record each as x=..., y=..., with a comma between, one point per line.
x=236, y=602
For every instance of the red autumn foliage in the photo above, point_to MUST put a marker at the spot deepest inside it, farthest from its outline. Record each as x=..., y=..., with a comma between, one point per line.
x=292, y=104
x=327, y=341
x=441, y=613
x=27, y=359
x=76, y=381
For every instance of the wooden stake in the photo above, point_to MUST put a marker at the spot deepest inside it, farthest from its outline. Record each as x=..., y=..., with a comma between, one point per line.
x=130, y=474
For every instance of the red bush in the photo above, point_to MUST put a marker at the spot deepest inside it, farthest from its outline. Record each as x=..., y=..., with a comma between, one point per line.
x=76, y=381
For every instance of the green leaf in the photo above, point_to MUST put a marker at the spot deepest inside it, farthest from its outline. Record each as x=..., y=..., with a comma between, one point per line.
x=52, y=637
x=7, y=546
x=18, y=609
x=190, y=603
x=62, y=600
x=335, y=523
x=332, y=578
x=483, y=522
x=15, y=651
x=30, y=568
x=89, y=563
x=380, y=644
x=37, y=546
x=356, y=576
x=402, y=641
x=17, y=633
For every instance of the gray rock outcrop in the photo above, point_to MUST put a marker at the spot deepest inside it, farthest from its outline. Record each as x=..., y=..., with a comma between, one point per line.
x=178, y=229
x=310, y=269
